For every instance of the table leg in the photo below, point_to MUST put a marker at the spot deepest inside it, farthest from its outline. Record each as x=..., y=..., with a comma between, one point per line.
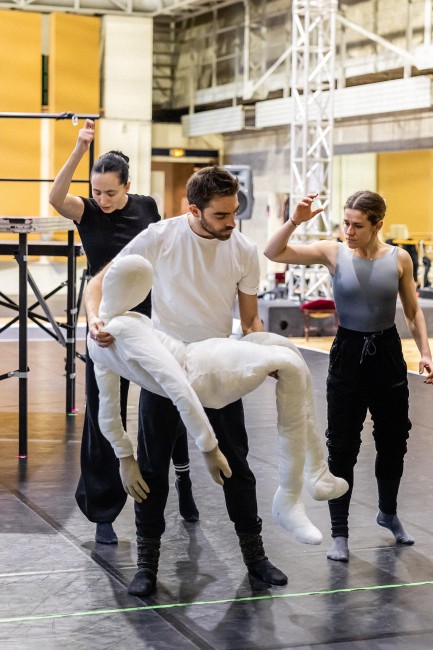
x=23, y=357
x=71, y=316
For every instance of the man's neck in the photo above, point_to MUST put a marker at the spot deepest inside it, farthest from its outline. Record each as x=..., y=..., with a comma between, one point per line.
x=195, y=226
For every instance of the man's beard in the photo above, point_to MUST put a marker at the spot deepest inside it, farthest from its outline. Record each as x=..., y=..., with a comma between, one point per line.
x=222, y=235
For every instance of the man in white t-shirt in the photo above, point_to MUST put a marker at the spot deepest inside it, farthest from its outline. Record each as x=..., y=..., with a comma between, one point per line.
x=201, y=263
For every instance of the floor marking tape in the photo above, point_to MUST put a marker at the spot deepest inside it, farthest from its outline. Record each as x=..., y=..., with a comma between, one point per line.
x=325, y=592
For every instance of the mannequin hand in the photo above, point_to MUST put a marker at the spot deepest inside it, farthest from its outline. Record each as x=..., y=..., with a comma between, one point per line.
x=103, y=339
x=132, y=480
x=216, y=463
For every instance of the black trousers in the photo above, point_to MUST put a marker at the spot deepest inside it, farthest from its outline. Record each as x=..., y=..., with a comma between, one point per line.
x=100, y=494
x=159, y=426
x=366, y=371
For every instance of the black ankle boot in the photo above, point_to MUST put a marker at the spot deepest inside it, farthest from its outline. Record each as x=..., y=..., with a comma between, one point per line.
x=187, y=508
x=257, y=563
x=144, y=581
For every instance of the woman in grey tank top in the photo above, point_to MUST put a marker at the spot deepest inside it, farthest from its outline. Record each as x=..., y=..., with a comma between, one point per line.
x=367, y=370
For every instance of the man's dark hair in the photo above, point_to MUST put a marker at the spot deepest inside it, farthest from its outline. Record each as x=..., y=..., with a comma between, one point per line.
x=208, y=183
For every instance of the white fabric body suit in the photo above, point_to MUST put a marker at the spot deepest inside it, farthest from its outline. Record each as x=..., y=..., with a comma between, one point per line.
x=211, y=373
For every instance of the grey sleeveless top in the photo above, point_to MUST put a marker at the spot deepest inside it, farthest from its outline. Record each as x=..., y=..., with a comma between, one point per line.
x=365, y=291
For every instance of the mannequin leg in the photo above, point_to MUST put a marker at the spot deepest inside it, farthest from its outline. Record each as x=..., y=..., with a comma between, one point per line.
x=287, y=507
x=222, y=369
x=321, y=484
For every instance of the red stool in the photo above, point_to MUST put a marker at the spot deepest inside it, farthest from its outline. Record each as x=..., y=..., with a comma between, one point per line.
x=321, y=308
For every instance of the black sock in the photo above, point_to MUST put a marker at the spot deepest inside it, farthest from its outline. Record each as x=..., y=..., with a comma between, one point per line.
x=393, y=523
x=339, y=550
x=187, y=506
x=105, y=534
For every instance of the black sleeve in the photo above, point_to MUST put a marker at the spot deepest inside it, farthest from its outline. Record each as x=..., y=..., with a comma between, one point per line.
x=89, y=208
x=153, y=209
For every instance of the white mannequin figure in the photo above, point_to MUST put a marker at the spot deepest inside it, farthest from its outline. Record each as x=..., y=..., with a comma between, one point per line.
x=148, y=358
x=210, y=373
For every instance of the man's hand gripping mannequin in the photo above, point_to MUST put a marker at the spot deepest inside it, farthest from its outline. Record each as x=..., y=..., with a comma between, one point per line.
x=210, y=373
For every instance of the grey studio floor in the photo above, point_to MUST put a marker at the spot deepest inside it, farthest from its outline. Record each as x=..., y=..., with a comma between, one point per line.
x=61, y=590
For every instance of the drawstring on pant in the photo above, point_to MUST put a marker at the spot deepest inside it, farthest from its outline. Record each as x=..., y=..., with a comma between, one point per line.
x=369, y=346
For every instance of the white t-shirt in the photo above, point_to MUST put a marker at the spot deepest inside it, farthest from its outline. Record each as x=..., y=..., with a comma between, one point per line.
x=195, y=279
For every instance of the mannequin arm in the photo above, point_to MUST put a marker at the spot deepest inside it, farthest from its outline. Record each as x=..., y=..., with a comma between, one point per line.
x=92, y=301
x=111, y=426
x=145, y=355
x=109, y=417
x=140, y=356
x=164, y=369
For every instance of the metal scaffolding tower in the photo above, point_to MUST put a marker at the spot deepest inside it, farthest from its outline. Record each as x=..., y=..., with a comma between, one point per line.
x=311, y=132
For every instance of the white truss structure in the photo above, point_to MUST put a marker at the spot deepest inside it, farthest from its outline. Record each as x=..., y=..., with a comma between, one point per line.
x=311, y=132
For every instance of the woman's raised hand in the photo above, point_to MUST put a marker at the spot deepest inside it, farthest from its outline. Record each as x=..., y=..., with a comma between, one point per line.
x=303, y=211
x=86, y=135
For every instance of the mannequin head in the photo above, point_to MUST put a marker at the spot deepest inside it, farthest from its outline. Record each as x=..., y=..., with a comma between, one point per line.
x=125, y=285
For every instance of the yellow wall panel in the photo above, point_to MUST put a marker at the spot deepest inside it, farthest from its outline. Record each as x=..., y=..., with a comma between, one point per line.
x=74, y=63
x=74, y=79
x=405, y=179
x=19, y=158
x=350, y=173
x=20, y=91
x=20, y=62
